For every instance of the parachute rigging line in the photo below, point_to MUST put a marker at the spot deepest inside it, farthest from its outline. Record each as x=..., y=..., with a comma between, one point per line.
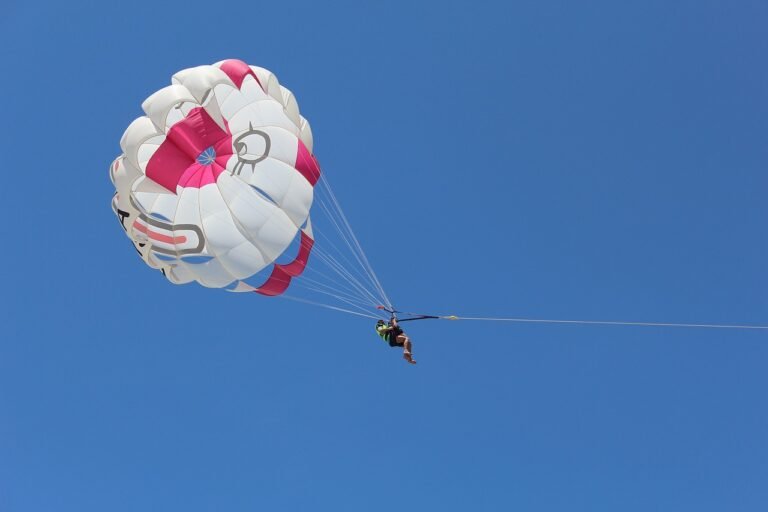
x=340, y=276
x=328, y=306
x=345, y=230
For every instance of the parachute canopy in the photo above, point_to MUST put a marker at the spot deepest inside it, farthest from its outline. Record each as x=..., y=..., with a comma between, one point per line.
x=216, y=181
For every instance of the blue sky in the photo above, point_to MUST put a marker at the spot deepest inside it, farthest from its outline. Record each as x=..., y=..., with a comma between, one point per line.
x=537, y=159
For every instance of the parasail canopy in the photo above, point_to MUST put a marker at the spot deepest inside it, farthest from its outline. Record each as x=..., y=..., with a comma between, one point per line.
x=216, y=181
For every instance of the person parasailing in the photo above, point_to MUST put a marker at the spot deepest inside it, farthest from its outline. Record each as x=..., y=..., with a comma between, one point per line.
x=392, y=333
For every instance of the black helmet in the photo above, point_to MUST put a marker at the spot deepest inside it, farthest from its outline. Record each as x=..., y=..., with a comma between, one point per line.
x=380, y=322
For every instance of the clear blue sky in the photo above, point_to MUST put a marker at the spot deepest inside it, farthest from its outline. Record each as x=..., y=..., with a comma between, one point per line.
x=605, y=160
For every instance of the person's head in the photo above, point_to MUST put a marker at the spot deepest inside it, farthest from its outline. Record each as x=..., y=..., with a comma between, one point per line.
x=380, y=323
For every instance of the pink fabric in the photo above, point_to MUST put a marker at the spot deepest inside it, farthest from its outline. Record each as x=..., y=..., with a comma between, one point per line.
x=158, y=236
x=306, y=164
x=281, y=274
x=175, y=161
x=297, y=266
x=276, y=284
x=237, y=70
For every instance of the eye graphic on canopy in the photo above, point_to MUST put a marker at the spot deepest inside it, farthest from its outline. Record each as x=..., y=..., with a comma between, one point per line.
x=252, y=147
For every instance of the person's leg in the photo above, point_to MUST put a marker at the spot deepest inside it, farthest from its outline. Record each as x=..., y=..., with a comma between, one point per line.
x=407, y=348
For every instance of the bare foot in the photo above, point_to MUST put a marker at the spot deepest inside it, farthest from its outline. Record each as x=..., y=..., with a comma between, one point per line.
x=408, y=357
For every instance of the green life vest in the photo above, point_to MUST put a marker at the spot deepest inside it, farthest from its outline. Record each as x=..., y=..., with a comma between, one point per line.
x=382, y=331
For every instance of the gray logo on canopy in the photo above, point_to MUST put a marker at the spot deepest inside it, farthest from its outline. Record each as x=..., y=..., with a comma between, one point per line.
x=241, y=144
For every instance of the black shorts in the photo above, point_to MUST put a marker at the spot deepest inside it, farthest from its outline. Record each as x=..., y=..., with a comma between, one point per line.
x=392, y=339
